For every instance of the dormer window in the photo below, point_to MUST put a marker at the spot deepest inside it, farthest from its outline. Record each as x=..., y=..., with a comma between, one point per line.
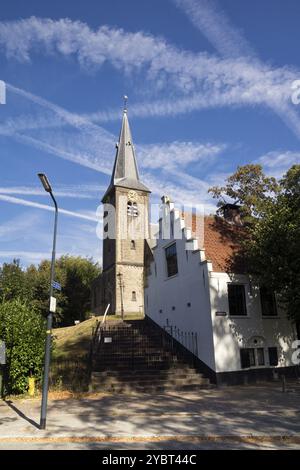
x=132, y=209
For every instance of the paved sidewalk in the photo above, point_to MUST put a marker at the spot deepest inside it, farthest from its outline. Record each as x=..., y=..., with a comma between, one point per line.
x=217, y=418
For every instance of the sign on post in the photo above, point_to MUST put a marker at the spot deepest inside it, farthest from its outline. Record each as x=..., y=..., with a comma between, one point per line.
x=56, y=285
x=52, y=304
x=2, y=353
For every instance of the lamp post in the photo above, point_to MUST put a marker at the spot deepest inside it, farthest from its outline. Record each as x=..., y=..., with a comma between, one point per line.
x=121, y=294
x=48, y=189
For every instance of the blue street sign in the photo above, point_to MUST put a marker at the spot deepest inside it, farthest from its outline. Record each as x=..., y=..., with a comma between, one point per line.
x=56, y=285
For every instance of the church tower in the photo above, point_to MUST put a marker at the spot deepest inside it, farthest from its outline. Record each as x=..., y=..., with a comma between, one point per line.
x=125, y=229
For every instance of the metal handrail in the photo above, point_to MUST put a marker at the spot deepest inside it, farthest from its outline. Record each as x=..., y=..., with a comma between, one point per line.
x=188, y=339
x=105, y=313
x=97, y=334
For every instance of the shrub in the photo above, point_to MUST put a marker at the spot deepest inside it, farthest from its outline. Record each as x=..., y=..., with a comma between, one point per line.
x=23, y=330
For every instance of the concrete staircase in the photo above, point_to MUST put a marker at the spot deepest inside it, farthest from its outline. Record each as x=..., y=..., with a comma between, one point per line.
x=138, y=356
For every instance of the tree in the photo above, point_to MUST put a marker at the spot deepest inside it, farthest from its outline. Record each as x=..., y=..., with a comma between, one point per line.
x=274, y=251
x=23, y=330
x=38, y=282
x=270, y=244
x=12, y=281
x=75, y=275
x=250, y=188
x=78, y=276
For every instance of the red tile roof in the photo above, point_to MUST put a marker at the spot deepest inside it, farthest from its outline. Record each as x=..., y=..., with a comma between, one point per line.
x=221, y=242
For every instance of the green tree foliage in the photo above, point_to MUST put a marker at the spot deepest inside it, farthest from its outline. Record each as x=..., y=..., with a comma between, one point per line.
x=250, y=188
x=23, y=330
x=271, y=237
x=12, y=281
x=274, y=251
x=75, y=274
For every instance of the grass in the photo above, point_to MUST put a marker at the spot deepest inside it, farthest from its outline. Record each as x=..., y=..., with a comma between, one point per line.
x=74, y=341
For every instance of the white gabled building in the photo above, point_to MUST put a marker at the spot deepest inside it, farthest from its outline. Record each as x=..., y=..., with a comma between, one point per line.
x=237, y=330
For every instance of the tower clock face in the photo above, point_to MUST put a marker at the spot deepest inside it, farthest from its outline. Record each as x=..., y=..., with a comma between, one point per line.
x=132, y=196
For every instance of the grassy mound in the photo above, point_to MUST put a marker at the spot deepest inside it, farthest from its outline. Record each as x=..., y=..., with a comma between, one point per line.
x=70, y=368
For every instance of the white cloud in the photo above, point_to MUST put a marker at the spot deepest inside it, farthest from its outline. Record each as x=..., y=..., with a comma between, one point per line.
x=274, y=91
x=174, y=154
x=170, y=159
x=221, y=81
x=34, y=257
x=25, y=202
x=72, y=191
x=278, y=162
x=15, y=227
x=25, y=256
x=215, y=25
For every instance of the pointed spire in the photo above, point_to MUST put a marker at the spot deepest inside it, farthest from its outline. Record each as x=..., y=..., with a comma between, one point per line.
x=125, y=162
x=125, y=172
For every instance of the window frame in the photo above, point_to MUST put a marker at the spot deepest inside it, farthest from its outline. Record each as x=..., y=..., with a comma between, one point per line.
x=265, y=291
x=273, y=348
x=254, y=361
x=133, y=296
x=132, y=209
x=168, y=257
x=231, y=285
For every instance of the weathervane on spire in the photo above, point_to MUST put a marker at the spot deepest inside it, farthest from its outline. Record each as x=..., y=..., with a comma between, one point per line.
x=125, y=103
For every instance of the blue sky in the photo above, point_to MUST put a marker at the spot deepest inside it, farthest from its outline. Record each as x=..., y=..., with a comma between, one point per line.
x=209, y=86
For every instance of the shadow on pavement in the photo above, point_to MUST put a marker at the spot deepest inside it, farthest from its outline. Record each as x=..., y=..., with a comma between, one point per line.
x=21, y=414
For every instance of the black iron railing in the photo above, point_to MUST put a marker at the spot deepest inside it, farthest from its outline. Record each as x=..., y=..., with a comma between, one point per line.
x=141, y=344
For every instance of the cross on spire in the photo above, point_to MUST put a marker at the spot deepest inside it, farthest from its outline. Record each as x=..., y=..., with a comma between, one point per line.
x=125, y=97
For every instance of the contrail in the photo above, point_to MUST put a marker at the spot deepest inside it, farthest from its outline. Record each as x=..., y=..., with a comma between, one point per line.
x=25, y=202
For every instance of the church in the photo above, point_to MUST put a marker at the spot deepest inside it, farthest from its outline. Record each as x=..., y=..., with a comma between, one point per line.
x=185, y=282
x=126, y=230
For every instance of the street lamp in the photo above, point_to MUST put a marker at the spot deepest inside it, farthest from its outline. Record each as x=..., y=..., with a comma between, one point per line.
x=48, y=189
x=121, y=294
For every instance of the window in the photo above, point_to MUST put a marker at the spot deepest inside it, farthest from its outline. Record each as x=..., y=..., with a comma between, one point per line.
x=236, y=299
x=247, y=357
x=132, y=245
x=251, y=357
x=171, y=258
x=268, y=302
x=273, y=356
x=132, y=209
x=260, y=356
x=133, y=296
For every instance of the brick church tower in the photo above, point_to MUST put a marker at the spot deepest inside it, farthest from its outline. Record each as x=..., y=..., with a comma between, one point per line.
x=125, y=229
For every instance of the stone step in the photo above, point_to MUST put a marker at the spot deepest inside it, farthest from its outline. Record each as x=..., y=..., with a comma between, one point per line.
x=129, y=388
x=141, y=358
x=112, y=358
x=150, y=381
x=131, y=375
x=151, y=375
x=156, y=367
x=137, y=358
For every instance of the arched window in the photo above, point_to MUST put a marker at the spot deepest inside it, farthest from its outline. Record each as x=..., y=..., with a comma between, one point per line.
x=132, y=209
x=132, y=244
x=133, y=296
